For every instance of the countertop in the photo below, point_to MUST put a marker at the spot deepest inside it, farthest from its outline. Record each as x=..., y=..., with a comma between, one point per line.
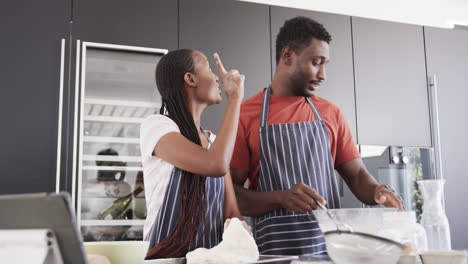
x=263, y=259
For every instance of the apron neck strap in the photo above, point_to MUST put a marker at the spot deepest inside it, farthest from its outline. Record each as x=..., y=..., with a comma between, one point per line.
x=266, y=107
x=207, y=137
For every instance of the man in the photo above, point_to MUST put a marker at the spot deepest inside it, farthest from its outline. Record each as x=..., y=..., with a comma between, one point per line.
x=288, y=144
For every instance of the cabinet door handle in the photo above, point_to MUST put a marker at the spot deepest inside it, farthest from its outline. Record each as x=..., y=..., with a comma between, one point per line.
x=60, y=113
x=75, y=120
x=434, y=106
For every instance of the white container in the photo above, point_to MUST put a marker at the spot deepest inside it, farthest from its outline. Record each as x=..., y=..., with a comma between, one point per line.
x=433, y=218
x=408, y=259
x=119, y=252
x=444, y=257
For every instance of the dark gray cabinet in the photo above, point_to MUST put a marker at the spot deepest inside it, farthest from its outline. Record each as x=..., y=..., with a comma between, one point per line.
x=141, y=23
x=390, y=80
x=30, y=86
x=339, y=84
x=239, y=32
x=447, y=59
x=149, y=24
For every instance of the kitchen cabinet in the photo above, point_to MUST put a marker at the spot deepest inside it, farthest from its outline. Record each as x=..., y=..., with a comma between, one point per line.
x=139, y=23
x=239, y=32
x=447, y=59
x=390, y=81
x=33, y=76
x=339, y=84
x=151, y=24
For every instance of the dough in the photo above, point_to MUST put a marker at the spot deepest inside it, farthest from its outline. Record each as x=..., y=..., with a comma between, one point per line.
x=238, y=246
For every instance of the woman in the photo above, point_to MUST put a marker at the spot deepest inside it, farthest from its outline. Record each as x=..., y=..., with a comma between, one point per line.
x=188, y=187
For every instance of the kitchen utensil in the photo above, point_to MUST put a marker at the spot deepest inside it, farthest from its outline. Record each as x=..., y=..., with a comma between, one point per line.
x=344, y=245
x=361, y=248
x=313, y=259
x=337, y=223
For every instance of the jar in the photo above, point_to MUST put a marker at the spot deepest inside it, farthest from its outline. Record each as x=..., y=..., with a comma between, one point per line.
x=433, y=218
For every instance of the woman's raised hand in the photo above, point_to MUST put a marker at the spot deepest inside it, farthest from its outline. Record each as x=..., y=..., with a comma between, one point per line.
x=233, y=81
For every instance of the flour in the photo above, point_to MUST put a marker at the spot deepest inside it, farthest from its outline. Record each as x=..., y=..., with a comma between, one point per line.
x=238, y=246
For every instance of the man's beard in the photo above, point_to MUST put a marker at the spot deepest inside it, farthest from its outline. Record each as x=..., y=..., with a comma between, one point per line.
x=298, y=85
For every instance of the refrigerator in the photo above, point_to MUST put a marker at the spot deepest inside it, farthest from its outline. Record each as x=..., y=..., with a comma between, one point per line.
x=115, y=90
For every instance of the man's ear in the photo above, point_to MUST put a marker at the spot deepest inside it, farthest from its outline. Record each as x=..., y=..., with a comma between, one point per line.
x=190, y=79
x=286, y=56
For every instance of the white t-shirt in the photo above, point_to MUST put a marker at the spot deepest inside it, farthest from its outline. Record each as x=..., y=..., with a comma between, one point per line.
x=156, y=171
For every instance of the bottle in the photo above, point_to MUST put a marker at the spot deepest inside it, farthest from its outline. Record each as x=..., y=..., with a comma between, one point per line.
x=118, y=207
x=433, y=217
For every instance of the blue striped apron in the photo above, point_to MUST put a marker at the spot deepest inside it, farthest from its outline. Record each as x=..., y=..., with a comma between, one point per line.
x=211, y=231
x=293, y=153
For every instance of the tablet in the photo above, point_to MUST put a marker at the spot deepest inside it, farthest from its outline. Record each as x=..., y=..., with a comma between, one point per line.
x=45, y=211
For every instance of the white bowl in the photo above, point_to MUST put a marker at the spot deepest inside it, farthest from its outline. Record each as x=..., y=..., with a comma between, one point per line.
x=444, y=257
x=365, y=220
x=408, y=259
x=119, y=252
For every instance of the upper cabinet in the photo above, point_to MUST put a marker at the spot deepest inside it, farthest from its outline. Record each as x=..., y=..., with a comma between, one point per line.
x=391, y=85
x=141, y=23
x=239, y=32
x=339, y=84
x=136, y=26
x=33, y=78
x=447, y=60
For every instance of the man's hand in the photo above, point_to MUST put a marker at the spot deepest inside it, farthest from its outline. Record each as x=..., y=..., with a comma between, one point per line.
x=386, y=196
x=300, y=199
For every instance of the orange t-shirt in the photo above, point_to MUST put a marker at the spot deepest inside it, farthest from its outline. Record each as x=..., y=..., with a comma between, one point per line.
x=283, y=109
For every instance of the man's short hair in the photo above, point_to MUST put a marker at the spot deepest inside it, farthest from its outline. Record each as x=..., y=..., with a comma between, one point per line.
x=296, y=33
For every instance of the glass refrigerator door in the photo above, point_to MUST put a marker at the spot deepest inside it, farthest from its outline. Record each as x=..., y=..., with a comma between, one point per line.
x=401, y=168
x=118, y=91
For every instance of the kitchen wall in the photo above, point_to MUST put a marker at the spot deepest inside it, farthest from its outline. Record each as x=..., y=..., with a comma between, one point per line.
x=241, y=32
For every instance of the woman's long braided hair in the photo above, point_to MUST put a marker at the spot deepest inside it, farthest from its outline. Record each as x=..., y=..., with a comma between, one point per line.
x=170, y=81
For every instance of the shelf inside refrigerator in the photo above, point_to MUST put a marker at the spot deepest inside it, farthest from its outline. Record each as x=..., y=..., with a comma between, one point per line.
x=100, y=139
x=112, y=222
x=100, y=110
x=95, y=158
x=113, y=119
x=112, y=168
x=112, y=232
